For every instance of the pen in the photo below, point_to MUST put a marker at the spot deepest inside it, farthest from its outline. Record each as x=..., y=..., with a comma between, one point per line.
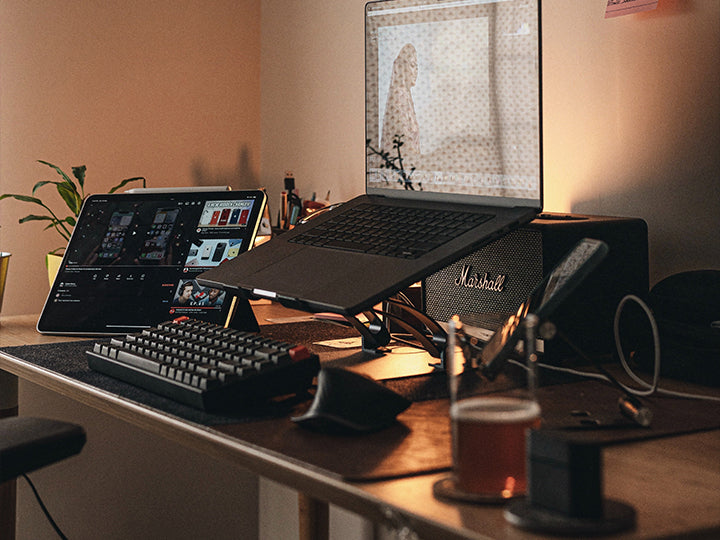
x=283, y=209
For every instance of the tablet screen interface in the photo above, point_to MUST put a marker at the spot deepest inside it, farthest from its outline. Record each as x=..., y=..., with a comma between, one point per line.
x=133, y=258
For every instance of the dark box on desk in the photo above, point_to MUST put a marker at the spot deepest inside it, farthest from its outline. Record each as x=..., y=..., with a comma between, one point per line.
x=486, y=286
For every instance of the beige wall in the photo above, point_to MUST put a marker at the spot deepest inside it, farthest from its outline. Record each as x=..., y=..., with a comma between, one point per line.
x=312, y=106
x=633, y=122
x=160, y=89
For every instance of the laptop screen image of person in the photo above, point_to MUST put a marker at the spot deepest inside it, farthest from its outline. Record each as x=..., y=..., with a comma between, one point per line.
x=453, y=125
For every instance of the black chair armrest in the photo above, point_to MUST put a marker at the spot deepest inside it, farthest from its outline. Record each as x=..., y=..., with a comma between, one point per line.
x=27, y=444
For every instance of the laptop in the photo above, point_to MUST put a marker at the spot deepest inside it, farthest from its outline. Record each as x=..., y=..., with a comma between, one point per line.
x=453, y=123
x=133, y=260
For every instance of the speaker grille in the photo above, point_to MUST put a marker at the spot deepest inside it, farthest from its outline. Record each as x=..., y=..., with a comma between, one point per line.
x=484, y=287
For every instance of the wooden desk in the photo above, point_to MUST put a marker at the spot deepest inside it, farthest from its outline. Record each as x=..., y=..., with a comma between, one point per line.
x=673, y=483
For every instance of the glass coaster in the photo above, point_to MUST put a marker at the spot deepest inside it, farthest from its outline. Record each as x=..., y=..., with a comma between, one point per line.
x=446, y=488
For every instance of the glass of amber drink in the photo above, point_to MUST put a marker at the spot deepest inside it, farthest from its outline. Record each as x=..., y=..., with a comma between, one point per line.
x=488, y=444
x=488, y=439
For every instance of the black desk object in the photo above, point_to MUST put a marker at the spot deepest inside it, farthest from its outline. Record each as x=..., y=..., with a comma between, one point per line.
x=27, y=444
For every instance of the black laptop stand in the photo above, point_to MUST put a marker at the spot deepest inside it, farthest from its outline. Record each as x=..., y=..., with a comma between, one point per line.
x=375, y=334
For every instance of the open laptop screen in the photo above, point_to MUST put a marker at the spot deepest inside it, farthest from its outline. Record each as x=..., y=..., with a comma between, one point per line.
x=133, y=259
x=457, y=84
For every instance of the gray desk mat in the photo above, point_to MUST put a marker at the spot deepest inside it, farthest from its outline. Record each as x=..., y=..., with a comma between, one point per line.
x=418, y=443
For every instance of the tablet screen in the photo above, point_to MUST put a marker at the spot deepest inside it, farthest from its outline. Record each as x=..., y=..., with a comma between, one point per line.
x=133, y=258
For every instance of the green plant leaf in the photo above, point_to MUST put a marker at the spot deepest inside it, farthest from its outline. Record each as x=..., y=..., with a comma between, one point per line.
x=34, y=217
x=79, y=173
x=41, y=183
x=58, y=169
x=71, y=196
x=126, y=182
x=24, y=198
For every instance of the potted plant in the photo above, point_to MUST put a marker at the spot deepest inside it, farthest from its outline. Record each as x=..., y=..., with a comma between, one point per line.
x=72, y=192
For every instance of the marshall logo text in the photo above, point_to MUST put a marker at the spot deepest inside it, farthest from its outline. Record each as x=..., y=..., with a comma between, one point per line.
x=476, y=281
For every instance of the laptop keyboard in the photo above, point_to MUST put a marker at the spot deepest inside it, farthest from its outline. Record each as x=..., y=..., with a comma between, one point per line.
x=205, y=365
x=385, y=230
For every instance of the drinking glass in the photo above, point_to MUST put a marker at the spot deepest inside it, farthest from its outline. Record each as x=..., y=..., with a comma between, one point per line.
x=488, y=434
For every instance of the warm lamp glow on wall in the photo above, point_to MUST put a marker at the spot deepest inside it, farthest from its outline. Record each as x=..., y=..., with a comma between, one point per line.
x=558, y=195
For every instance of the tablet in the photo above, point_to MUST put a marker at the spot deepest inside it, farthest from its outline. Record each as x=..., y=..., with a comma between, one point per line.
x=132, y=260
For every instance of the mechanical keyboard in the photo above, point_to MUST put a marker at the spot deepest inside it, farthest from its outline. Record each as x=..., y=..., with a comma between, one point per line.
x=205, y=365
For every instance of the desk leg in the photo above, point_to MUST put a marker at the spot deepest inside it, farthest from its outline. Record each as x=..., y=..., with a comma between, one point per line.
x=314, y=517
x=8, y=407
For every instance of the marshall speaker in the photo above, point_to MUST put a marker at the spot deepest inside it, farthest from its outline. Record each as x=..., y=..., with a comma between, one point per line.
x=486, y=286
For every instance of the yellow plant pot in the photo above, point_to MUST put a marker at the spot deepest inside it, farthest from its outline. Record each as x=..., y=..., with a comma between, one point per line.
x=4, y=261
x=52, y=262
